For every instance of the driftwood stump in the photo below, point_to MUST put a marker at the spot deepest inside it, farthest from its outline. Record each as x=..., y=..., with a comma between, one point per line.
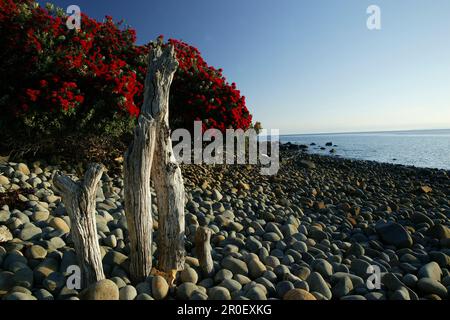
x=169, y=189
x=138, y=198
x=139, y=158
x=79, y=200
x=203, y=250
x=5, y=234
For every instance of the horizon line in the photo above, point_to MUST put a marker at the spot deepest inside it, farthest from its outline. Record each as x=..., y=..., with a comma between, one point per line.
x=361, y=132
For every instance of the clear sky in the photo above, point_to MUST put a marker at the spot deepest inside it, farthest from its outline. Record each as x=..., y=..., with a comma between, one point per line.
x=313, y=66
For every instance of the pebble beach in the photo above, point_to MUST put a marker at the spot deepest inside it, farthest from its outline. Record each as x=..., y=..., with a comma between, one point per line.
x=311, y=232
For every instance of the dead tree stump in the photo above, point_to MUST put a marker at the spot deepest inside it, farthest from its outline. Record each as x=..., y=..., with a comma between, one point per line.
x=139, y=158
x=79, y=200
x=5, y=234
x=203, y=250
x=169, y=189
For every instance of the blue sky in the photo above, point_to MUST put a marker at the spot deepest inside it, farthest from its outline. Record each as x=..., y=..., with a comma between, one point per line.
x=313, y=66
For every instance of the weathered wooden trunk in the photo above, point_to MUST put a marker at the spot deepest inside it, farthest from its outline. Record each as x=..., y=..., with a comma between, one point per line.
x=169, y=188
x=137, y=167
x=141, y=158
x=5, y=234
x=203, y=250
x=79, y=200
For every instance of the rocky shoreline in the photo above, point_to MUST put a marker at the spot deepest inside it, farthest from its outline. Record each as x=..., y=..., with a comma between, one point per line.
x=311, y=232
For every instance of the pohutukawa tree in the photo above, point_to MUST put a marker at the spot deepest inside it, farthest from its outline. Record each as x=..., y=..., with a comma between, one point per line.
x=150, y=154
x=56, y=83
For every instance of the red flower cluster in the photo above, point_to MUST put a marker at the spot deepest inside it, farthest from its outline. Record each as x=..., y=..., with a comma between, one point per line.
x=97, y=73
x=53, y=69
x=200, y=92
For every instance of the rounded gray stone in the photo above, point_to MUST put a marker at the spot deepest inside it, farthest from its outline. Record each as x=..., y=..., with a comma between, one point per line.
x=318, y=284
x=128, y=293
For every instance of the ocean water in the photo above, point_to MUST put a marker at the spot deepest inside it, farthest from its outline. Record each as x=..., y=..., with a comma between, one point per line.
x=421, y=148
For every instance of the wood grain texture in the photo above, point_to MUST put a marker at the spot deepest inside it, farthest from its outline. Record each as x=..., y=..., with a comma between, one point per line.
x=203, y=250
x=140, y=156
x=79, y=200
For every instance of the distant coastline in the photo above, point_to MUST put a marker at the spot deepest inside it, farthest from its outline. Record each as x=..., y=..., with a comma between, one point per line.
x=420, y=148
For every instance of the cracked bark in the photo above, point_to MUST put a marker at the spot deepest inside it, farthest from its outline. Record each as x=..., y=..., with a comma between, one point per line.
x=169, y=188
x=150, y=154
x=79, y=200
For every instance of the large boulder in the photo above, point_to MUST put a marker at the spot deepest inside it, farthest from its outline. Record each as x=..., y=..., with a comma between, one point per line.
x=101, y=290
x=431, y=270
x=306, y=164
x=318, y=284
x=235, y=265
x=439, y=231
x=298, y=294
x=394, y=234
x=160, y=287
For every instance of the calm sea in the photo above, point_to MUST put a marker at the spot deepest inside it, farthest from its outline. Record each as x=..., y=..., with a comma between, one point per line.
x=421, y=148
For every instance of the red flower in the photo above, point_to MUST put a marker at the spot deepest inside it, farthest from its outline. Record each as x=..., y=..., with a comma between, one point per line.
x=32, y=94
x=102, y=67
